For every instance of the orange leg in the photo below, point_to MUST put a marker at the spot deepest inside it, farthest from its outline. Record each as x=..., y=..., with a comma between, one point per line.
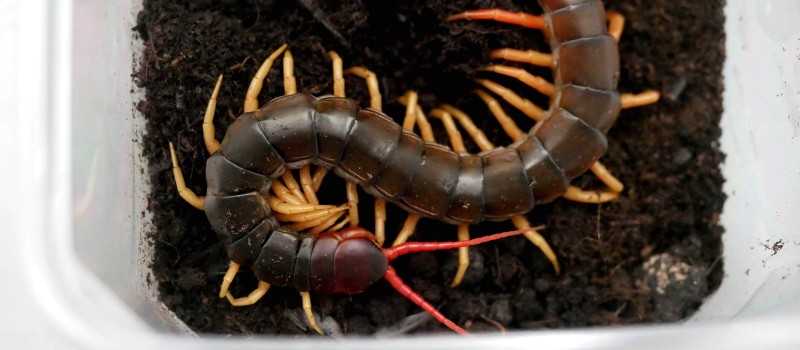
x=517, y=18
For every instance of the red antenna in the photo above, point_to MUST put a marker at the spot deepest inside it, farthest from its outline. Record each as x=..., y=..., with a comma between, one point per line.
x=413, y=247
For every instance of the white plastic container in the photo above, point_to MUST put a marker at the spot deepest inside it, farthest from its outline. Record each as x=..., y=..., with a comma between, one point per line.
x=85, y=265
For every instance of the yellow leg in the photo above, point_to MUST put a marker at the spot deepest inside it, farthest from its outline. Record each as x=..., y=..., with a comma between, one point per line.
x=188, y=195
x=251, y=99
x=284, y=193
x=289, y=83
x=523, y=104
x=251, y=298
x=538, y=83
x=326, y=225
x=521, y=223
x=414, y=112
x=473, y=131
x=307, y=182
x=304, y=217
x=302, y=225
x=280, y=206
x=340, y=224
x=293, y=186
x=456, y=140
x=212, y=145
x=309, y=314
x=605, y=176
x=233, y=268
x=463, y=256
x=512, y=130
x=338, y=76
x=352, y=201
x=380, y=221
x=640, y=99
x=411, y=113
x=616, y=23
x=319, y=175
x=615, y=187
x=408, y=229
x=535, y=58
x=372, y=85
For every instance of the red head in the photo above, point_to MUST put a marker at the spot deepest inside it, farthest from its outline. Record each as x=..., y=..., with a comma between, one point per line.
x=349, y=261
x=346, y=262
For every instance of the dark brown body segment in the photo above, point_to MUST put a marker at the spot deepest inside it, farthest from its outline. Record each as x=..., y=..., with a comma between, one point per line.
x=275, y=264
x=335, y=119
x=288, y=124
x=434, y=182
x=505, y=185
x=400, y=169
x=373, y=140
x=245, y=145
x=573, y=145
x=598, y=108
x=578, y=21
x=468, y=202
x=545, y=178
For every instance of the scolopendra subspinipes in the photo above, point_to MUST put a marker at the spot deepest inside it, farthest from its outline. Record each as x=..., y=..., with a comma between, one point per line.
x=428, y=180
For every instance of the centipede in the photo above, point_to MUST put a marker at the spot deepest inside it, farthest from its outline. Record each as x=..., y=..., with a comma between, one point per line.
x=252, y=197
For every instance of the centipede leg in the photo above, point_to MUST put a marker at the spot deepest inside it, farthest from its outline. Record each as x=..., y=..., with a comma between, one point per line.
x=473, y=131
x=284, y=193
x=523, y=104
x=532, y=57
x=309, y=216
x=233, y=268
x=317, y=220
x=616, y=23
x=212, y=145
x=380, y=221
x=372, y=85
x=522, y=223
x=463, y=256
x=585, y=196
x=293, y=186
x=640, y=99
x=307, y=182
x=280, y=206
x=251, y=98
x=523, y=19
x=352, y=202
x=251, y=298
x=456, y=140
x=338, y=74
x=309, y=313
x=408, y=229
x=187, y=194
x=509, y=126
x=536, y=82
x=289, y=82
x=416, y=116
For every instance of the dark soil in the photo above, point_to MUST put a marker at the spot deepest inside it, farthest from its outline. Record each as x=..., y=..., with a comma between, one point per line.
x=666, y=154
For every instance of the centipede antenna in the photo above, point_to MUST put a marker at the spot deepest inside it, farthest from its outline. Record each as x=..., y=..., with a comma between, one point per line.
x=398, y=284
x=415, y=247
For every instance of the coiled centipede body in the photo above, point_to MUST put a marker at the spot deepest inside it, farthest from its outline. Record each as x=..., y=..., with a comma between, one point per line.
x=366, y=147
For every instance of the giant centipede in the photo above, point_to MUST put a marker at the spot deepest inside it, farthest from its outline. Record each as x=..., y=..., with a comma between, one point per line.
x=367, y=147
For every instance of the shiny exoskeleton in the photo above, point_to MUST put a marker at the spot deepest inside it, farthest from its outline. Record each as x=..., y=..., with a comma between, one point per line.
x=367, y=147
